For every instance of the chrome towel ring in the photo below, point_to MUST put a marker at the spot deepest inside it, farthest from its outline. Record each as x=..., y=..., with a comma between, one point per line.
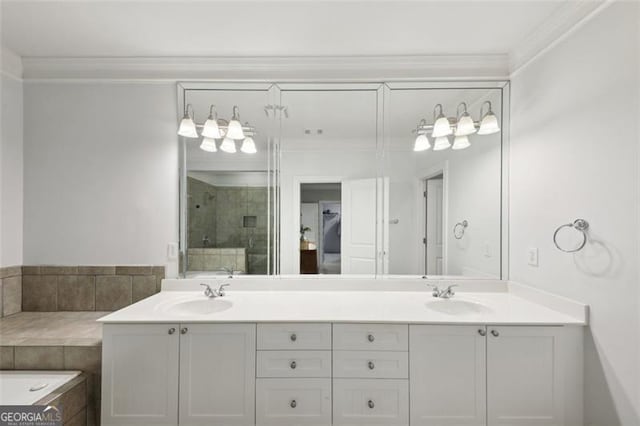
x=458, y=229
x=579, y=225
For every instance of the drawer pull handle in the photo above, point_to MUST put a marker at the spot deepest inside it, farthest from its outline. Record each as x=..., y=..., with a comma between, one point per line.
x=371, y=338
x=371, y=365
x=293, y=337
x=293, y=365
x=172, y=330
x=482, y=332
x=370, y=404
x=495, y=333
x=184, y=330
x=293, y=403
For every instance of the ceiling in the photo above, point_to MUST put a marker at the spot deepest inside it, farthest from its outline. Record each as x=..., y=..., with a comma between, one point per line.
x=240, y=28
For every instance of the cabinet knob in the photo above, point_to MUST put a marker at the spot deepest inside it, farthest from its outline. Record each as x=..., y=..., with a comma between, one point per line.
x=495, y=333
x=371, y=365
x=482, y=332
x=371, y=338
x=293, y=403
x=184, y=330
x=370, y=404
x=172, y=330
x=293, y=337
x=293, y=365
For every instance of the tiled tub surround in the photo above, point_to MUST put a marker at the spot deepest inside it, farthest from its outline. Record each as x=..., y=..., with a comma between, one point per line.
x=217, y=259
x=10, y=290
x=87, y=288
x=74, y=400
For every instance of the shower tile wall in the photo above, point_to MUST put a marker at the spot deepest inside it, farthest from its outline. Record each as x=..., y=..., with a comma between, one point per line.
x=217, y=212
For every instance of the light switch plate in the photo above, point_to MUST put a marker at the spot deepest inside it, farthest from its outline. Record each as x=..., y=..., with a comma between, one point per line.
x=172, y=251
x=532, y=256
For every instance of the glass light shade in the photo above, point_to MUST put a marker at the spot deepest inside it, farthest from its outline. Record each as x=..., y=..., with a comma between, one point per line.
x=248, y=146
x=187, y=128
x=208, y=145
x=461, y=142
x=234, y=130
x=211, y=129
x=228, y=145
x=489, y=125
x=441, y=127
x=421, y=143
x=465, y=126
x=441, y=143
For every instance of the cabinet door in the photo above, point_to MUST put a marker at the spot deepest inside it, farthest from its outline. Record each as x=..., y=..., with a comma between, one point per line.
x=217, y=374
x=140, y=374
x=447, y=375
x=525, y=376
x=293, y=402
x=365, y=402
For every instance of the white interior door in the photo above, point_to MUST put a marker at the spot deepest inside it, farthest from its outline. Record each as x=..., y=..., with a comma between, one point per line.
x=434, y=238
x=358, y=235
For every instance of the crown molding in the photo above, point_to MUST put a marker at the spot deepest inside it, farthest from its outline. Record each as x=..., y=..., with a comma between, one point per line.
x=357, y=68
x=10, y=64
x=567, y=19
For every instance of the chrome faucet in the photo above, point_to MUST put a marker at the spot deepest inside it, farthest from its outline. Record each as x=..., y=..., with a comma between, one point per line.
x=228, y=269
x=443, y=294
x=211, y=293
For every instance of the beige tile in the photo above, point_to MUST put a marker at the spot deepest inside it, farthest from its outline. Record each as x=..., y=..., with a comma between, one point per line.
x=40, y=293
x=228, y=261
x=85, y=358
x=58, y=270
x=196, y=262
x=134, y=270
x=80, y=419
x=96, y=270
x=113, y=292
x=10, y=271
x=158, y=270
x=6, y=357
x=143, y=287
x=11, y=295
x=72, y=397
x=76, y=293
x=38, y=358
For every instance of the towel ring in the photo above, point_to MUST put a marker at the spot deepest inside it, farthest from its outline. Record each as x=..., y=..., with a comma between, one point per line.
x=458, y=229
x=579, y=225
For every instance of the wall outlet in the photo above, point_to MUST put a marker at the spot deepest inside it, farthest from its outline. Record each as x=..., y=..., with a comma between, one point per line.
x=172, y=251
x=532, y=256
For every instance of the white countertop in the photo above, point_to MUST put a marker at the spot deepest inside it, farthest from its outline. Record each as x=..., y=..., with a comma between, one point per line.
x=510, y=306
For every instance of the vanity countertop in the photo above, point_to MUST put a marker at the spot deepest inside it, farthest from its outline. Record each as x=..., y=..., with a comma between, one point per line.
x=508, y=307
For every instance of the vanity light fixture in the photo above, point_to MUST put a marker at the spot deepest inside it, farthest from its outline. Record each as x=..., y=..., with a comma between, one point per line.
x=441, y=143
x=441, y=125
x=464, y=123
x=234, y=129
x=422, y=141
x=228, y=145
x=461, y=142
x=211, y=128
x=208, y=144
x=488, y=121
x=248, y=146
x=187, y=126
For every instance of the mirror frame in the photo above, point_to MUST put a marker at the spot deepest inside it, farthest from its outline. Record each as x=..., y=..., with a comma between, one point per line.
x=274, y=89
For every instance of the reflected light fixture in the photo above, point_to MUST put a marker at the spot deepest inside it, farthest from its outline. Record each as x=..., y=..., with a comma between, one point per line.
x=228, y=145
x=488, y=121
x=211, y=129
x=461, y=142
x=441, y=143
x=422, y=141
x=208, y=144
x=234, y=129
x=248, y=146
x=187, y=127
x=441, y=125
x=464, y=123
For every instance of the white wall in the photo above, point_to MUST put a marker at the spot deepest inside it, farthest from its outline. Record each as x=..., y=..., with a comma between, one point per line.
x=101, y=172
x=11, y=160
x=574, y=154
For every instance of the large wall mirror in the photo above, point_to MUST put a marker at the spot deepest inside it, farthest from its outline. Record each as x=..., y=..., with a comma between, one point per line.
x=366, y=179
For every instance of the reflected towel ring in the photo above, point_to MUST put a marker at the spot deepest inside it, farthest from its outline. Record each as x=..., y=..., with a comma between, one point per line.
x=458, y=229
x=579, y=225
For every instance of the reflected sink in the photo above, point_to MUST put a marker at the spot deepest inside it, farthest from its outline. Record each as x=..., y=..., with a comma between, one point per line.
x=457, y=307
x=198, y=307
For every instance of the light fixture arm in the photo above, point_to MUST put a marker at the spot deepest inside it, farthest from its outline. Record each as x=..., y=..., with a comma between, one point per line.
x=236, y=113
x=464, y=110
x=186, y=112
x=434, y=112
x=482, y=114
x=213, y=112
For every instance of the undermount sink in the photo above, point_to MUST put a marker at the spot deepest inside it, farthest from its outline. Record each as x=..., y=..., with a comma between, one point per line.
x=457, y=307
x=204, y=306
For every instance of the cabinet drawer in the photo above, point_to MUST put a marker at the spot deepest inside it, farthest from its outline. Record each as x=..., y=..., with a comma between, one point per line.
x=289, y=402
x=370, y=337
x=370, y=402
x=371, y=364
x=294, y=364
x=294, y=336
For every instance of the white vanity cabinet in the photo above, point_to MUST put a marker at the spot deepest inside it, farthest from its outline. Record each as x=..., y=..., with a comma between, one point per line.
x=204, y=372
x=495, y=375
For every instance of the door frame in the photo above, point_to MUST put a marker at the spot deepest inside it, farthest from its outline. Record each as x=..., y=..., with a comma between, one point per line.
x=431, y=172
x=297, y=187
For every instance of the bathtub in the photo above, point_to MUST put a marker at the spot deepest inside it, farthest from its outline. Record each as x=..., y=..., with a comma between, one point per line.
x=28, y=387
